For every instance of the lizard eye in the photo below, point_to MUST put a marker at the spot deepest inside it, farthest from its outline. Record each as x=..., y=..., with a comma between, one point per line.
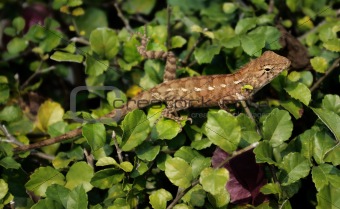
x=267, y=68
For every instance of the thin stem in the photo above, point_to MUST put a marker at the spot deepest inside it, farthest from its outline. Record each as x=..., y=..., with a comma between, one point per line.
x=119, y=151
x=181, y=194
x=36, y=73
x=11, y=139
x=318, y=82
x=168, y=42
x=122, y=17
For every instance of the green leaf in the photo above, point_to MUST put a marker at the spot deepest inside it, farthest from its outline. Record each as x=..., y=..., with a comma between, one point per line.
x=324, y=175
x=159, y=198
x=270, y=34
x=178, y=172
x=177, y=42
x=9, y=162
x=58, y=193
x=229, y=8
x=319, y=64
x=139, y=7
x=3, y=188
x=10, y=113
x=66, y=57
x=294, y=167
x=126, y=166
x=105, y=161
x=328, y=197
x=147, y=151
x=136, y=128
x=214, y=180
x=299, y=91
x=120, y=203
x=323, y=142
x=249, y=133
x=330, y=119
x=42, y=178
x=165, y=129
x=277, y=127
x=104, y=179
x=104, y=42
x=205, y=54
x=17, y=45
x=252, y=44
x=187, y=154
x=198, y=164
x=47, y=203
x=4, y=92
x=294, y=107
x=95, y=67
x=57, y=129
x=223, y=130
x=332, y=45
x=332, y=103
x=86, y=24
x=80, y=173
x=264, y=153
x=333, y=155
x=77, y=198
x=219, y=200
x=245, y=24
x=271, y=188
x=19, y=24
x=306, y=139
x=95, y=135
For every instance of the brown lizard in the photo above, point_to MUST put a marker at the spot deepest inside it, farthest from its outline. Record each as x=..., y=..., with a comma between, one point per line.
x=199, y=91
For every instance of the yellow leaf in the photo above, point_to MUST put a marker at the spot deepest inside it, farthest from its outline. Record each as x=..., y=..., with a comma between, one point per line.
x=78, y=12
x=133, y=91
x=65, y=9
x=49, y=112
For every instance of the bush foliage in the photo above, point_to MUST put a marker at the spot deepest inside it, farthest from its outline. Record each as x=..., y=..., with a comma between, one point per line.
x=58, y=56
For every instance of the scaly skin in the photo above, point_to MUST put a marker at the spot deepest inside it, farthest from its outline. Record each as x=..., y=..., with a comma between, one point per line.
x=200, y=91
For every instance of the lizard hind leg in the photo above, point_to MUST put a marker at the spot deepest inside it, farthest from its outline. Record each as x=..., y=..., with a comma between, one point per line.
x=170, y=65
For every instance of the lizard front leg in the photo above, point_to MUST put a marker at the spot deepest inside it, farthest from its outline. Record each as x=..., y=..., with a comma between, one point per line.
x=170, y=65
x=173, y=107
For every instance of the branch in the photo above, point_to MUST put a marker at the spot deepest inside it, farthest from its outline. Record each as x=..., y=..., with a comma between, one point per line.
x=68, y=135
x=168, y=42
x=11, y=139
x=119, y=151
x=318, y=82
x=122, y=17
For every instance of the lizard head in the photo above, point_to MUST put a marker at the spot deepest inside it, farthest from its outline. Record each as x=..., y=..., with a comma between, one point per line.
x=265, y=68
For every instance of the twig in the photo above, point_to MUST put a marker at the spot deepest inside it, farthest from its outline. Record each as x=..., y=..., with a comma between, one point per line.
x=168, y=42
x=43, y=155
x=36, y=73
x=89, y=158
x=119, y=151
x=186, y=59
x=238, y=152
x=246, y=108
x=181, y=194
x=271, y=7
x=312, y=30
x=122, y=17
x=318, y=82
x=80, y=40
x=11, y=139
x=72, y=134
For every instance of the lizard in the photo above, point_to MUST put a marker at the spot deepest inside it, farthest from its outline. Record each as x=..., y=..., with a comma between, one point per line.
x=197, y=91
